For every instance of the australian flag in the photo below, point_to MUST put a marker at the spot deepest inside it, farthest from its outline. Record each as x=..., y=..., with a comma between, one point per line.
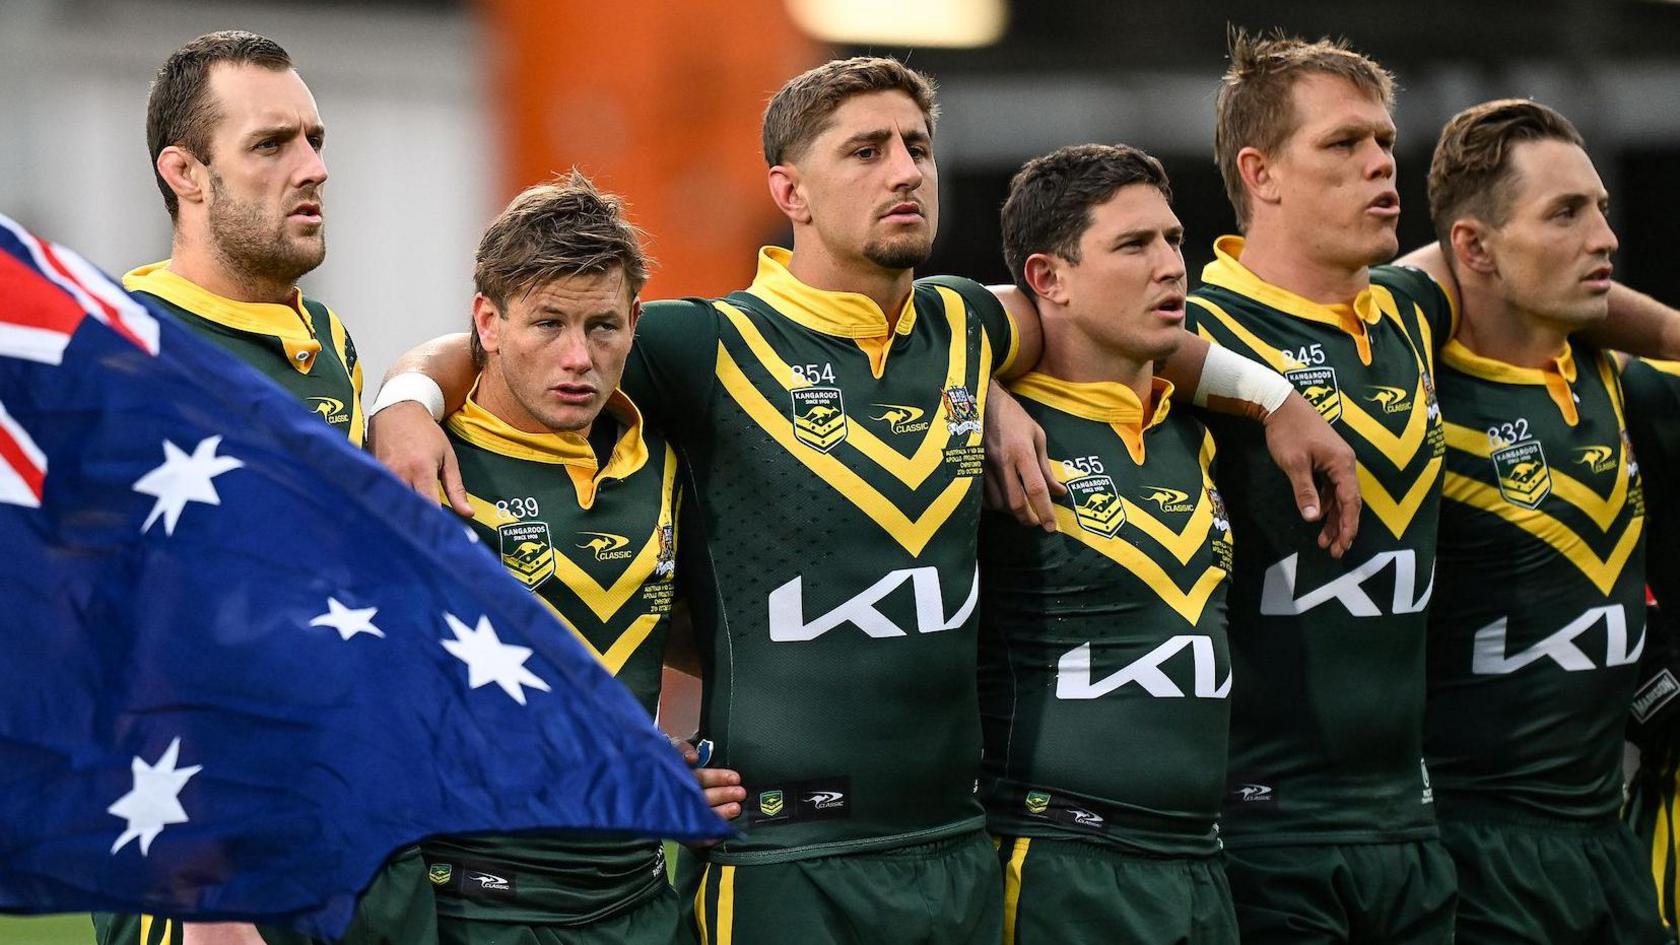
x=240, y=663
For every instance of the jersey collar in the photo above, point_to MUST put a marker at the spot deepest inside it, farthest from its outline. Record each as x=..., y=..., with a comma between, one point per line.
x=290, y=324
x=1228, y=272
x=1105, y=402
x=484, y=429
x=841, y=314
x=1556, y=376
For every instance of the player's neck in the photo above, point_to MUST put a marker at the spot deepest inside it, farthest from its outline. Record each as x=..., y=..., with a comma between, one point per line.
x=1276, y=258
x=887, y=288
x=1494, y=328
x=1070, y=356
x=196, y=261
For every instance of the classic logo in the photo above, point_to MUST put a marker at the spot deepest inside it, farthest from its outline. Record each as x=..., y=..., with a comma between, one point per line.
x=1085, y=818
x=440, y=873
x=607, y=546
x=329, y=409
x=527, y=552
x=819, y=417
x=667, y=562
x=901, y=418
x=1597, y=458
x=1250, y=793
x=1169, y=500
x=1390, y=399
x=825, y=800
x=488, y=880
x=1097, y=505
x=770, y=803
x=1318, y=385
x=1524, y=477
x=1037, y=802
x=962, y=414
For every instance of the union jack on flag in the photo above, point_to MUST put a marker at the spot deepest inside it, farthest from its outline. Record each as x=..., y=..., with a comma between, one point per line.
x=241, y=663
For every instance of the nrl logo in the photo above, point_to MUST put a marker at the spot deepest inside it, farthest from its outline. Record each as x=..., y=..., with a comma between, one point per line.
x=1169, y=500
x=1037, y=802
x=819, y=417
x=328, y=409
x=770, y=803
x=1597, y=458
x=1097, y=505
x=1524, y=477
x=1318, y=385
x=962, y=414
x=667, y=565
x=902, y=419
x=527, y=552
x=607, y=546
x=440, y=873
x=1391, y=399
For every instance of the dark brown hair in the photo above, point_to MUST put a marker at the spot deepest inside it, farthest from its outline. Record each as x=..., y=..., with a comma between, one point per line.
x=1471, y=173
x=180, y=110
x=800, y=111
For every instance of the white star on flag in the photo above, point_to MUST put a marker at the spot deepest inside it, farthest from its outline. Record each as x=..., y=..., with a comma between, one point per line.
x=154, y=802
x=489, y=660
x=348, y=621
x=182, y=479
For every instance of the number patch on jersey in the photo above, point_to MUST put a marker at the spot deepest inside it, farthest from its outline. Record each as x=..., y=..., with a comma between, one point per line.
x=1508, y=433
x=519, y=507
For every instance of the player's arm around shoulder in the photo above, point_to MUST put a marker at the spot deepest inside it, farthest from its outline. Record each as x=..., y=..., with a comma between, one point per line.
x=1018, y=477
x=425, y=385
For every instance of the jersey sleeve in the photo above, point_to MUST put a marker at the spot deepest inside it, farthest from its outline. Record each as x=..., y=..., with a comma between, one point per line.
x=1436, y=302
x=995, y=320
x=672, y=367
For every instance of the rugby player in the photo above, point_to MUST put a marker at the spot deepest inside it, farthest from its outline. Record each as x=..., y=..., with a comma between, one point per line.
x=1538, y=618
x=580, y=499
x=235, y=140
x=831, y=419
x=1112, y=630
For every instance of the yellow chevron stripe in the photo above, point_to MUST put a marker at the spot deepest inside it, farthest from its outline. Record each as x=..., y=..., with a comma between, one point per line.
x=1261, y=349
x=912, y=471
x=341, y=345
x=1601, y=510
x=913, y=534
x=1188, y=604
x=1602, y=572
x=1396, y=515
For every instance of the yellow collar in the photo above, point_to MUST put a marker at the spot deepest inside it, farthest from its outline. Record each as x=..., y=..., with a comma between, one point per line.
x=290, y=324
x=1105, y=402
x=1226, y=271
x=484, y=429
x=841, y=314
x=1556, y=377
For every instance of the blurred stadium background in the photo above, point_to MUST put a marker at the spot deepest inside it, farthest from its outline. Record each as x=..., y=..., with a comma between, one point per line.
x=438, y=110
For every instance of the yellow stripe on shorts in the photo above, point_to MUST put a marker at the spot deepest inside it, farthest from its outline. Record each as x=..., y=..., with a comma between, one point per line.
x=700, y=904
x=1012, y=887
x=726, y=906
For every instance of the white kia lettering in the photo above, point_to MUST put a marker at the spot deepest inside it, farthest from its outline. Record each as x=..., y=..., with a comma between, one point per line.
x=787, y=608
x=1277, y=596
x=1489, y=657
x=1073, y=672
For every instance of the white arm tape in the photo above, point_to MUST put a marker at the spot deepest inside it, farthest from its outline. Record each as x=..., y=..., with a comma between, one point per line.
x=415, y=386
x=1230, y=375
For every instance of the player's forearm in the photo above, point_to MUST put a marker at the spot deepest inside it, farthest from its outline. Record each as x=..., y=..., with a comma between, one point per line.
x=1029, y=329
x=1638, y=324
x=1223, y=381
x=446, y=360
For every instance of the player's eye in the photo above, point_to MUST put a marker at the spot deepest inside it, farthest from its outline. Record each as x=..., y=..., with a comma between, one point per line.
x=866, y=153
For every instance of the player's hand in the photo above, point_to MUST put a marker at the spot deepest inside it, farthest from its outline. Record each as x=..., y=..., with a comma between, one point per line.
x=1018, y=477
x=722, y=786
x=412, y=445
x=220, y=933
x=1320, y=467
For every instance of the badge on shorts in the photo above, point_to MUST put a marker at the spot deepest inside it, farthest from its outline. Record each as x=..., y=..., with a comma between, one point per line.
x=1318, y=385
x=771, y=803
x=819, y=417
x=1037, y=802
x=1097, y=505
x=1524, y=478
x=440, y=873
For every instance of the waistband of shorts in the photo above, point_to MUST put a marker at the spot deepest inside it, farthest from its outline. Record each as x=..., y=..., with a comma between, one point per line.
x=1465, y=810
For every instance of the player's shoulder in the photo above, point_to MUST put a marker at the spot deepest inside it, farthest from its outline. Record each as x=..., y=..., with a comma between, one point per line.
x=687, y=308
x=976, y=295
x=1413, y=283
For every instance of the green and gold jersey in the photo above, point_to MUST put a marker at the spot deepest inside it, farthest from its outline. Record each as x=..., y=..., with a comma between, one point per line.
x=831, y=548
x=303, y=346
x=1652, y=389
x=597, y=546
x=1327, y=722
x=1539, y=612
x=1104, y=673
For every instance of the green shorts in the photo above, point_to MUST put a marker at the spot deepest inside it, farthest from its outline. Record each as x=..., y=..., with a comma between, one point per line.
x=1073, y=892
x=1388, y=893
x=397, y=909
x=1653, y=811
x=654, y=921
x=946, y=892
x=1558, y=883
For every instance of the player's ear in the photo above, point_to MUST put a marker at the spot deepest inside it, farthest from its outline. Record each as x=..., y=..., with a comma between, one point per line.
x=787, y=192
x=1470, y=247
x=487, y=322
x=635, y=312
x=1258, y=178
x=1043, y=273
x=184, y=174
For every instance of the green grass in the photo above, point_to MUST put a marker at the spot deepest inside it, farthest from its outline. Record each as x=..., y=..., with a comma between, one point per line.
x=72, y=929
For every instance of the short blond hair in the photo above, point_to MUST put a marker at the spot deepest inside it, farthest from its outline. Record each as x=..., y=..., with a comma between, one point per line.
x=1256, y=106
x=800, y=110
